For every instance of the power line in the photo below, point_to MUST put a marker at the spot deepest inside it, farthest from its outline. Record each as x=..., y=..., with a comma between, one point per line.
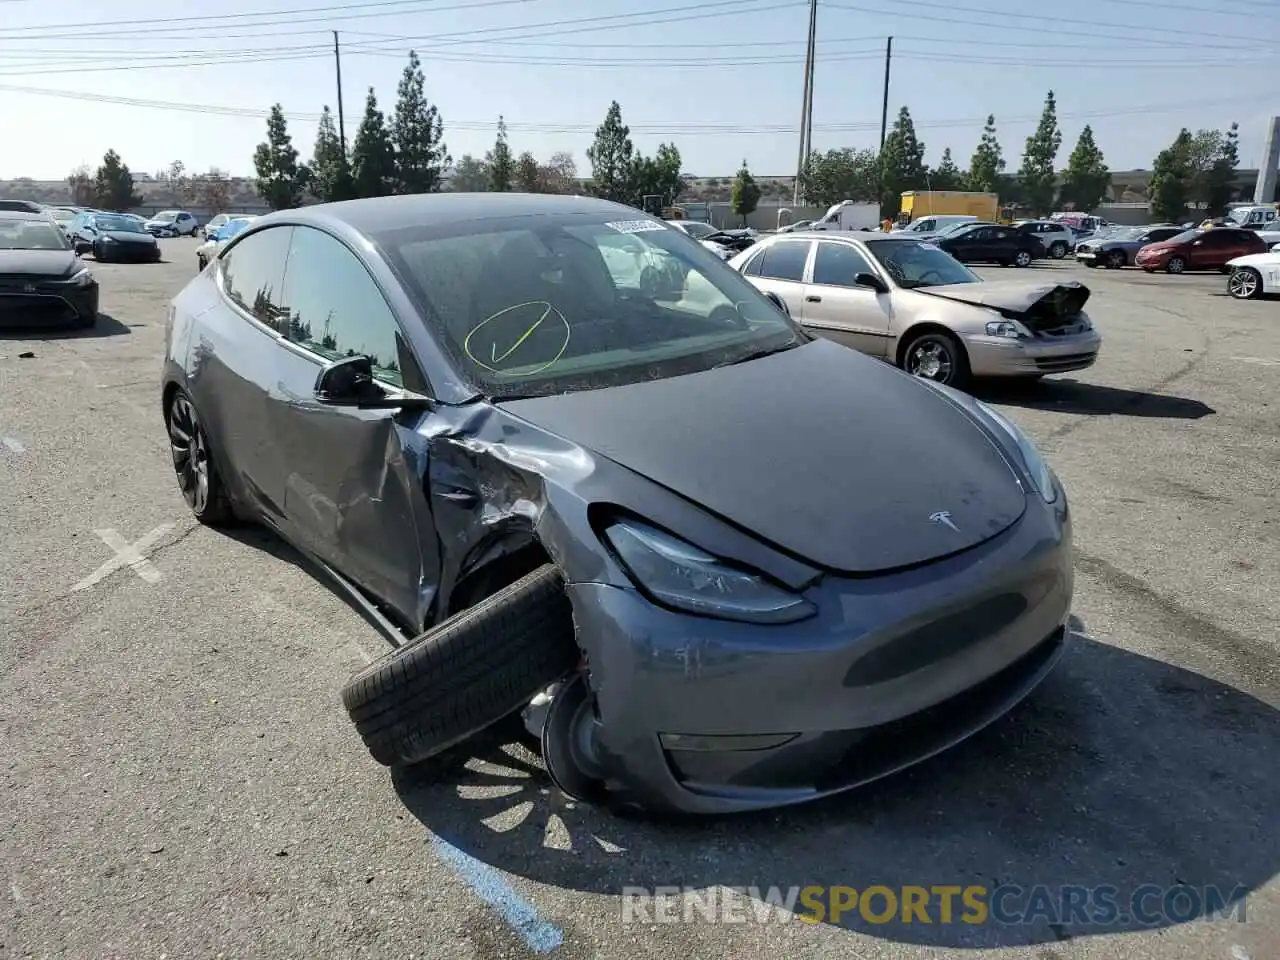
x=1056, y=30
x=683, y=128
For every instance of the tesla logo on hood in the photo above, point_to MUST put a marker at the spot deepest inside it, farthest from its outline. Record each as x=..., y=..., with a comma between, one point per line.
x=943, y=519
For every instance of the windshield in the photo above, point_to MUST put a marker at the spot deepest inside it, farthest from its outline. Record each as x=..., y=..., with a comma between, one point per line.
x=1185, y=237
x=1132, y=233
x=166, y=216
x=117, y=224
x=64, y=216
x=530, y=306
x=917, y=263
x=956, y=227
x=699, y=231
x=31, y=235
x=231, y=228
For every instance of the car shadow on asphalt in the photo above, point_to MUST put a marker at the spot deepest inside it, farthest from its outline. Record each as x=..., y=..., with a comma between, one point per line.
x=1118, y=772
x=1091, y=399
x=107, y=326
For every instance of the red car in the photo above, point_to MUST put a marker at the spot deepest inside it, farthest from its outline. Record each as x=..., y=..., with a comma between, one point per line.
x=1199, y=250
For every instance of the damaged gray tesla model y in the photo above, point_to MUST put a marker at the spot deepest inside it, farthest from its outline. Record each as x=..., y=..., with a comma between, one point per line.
x=576, y=468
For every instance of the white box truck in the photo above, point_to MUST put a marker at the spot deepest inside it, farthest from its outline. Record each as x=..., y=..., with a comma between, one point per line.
x=850, y=215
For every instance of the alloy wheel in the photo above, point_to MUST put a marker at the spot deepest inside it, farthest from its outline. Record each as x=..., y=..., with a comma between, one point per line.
x=1177, y=265
x=1243, y=284
x=190, y=449
x=1022, y=258
x=931, y=360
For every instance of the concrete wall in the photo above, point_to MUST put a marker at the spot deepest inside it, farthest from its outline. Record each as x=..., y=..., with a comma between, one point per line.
x=1265, y=191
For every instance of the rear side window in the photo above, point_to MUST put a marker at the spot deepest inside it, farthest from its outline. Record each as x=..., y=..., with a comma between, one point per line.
x=784, y=261
x=253, y=274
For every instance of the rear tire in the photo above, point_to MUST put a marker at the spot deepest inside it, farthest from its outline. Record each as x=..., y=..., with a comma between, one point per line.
x=193, y=463
x=465, y=674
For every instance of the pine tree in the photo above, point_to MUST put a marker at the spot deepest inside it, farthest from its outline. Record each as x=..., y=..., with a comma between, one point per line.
x=281, y=179
x=528, y=174
x=988, y=161
x=373, y=159
x=417, y=135
x=1039, y=180
x=946, y=175
x=502, y=166
x=1172, y=174
x=469, y=176
x=1085, y=183
x=330, y=171
x=901, y=163
x=113, y=184
x=745, y=196
x=612, y=156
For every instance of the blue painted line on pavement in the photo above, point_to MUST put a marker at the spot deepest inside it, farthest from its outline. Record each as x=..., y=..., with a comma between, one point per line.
x=521, y=915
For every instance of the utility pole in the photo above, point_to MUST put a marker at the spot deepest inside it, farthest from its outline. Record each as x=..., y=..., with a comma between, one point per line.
x=342, y=126
x=806, y=109
x=884, y=106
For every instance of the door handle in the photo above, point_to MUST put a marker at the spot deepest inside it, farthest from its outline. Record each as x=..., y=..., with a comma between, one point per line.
x=812, y=299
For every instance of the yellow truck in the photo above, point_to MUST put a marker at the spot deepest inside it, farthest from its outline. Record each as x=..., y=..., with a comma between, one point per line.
x=923, y=203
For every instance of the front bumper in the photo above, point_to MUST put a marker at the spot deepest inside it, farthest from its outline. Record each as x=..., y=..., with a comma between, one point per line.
x=50, y=304
x=703, y=716
x=1003, y=357
x=132, y=252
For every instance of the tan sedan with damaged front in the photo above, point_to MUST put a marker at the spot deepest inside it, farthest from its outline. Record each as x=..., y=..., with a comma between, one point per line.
x=907, y=302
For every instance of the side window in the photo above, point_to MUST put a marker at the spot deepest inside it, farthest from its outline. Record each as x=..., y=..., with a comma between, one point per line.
x=838, y=263
x=331, y=306
x=926, y=226
x=752, y=267
x=997, y=233
x=253, y=270
x=785, y=261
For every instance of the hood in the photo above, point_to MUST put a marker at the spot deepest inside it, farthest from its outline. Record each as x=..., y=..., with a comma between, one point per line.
x=828, y=455
x=38, y=263
x=127, y=236
x=1039, y=305
x=1259, y=260
x=1162, y=246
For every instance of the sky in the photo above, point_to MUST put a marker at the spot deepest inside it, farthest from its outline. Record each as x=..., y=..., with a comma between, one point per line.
x=722, y=79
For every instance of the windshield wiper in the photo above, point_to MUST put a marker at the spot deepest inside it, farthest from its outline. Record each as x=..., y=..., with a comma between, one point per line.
x=757, y=354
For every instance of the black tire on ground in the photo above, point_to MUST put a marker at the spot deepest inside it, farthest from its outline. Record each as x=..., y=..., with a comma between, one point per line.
x=466, y=673
x=1116, y=259
x=1245, y=283
x=1058, y=250
x=954, y=371
x=1090, y=263
x=97, y=253
x=1022, y=258
x=194, y=463
x=1176, y=265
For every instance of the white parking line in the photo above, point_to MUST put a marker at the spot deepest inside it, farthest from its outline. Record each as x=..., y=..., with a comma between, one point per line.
x=14, y=445
x=128, y=554
x=1264, y=361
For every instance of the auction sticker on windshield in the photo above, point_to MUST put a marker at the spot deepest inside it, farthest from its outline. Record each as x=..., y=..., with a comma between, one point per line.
x=636, y=226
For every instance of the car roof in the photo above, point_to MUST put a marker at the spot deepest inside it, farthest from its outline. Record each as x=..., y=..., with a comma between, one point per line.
x=41, y=217
x=373, y=215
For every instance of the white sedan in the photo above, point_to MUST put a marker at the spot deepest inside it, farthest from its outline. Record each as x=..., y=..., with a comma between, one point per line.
x=1254, y=275
x=700, y=231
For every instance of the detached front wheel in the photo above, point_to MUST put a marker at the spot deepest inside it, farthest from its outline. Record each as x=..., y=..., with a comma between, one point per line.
x=466, y=673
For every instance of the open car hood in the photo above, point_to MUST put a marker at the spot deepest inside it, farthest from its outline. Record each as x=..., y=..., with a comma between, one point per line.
x=1039, y=305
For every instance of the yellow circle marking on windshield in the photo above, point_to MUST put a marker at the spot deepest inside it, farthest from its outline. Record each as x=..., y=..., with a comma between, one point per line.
x=548, y=312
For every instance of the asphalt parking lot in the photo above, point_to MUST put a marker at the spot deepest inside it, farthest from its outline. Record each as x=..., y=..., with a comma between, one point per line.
x=180, y=779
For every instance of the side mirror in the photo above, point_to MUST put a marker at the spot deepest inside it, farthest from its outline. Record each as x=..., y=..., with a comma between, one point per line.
x=778, y=302
x=870, y=280
x=349, y=383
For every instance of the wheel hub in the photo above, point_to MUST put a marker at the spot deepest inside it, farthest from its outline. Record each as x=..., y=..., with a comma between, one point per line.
x=570, y=743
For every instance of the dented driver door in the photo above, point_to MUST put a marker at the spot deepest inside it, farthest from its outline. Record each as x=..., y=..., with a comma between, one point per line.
x=353, y=491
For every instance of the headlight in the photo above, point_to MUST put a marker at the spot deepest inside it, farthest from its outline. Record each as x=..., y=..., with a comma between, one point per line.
x=83, y=278
x=680, y=575
x=1041, y=475
x=108, y=239
x=1006, y=328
